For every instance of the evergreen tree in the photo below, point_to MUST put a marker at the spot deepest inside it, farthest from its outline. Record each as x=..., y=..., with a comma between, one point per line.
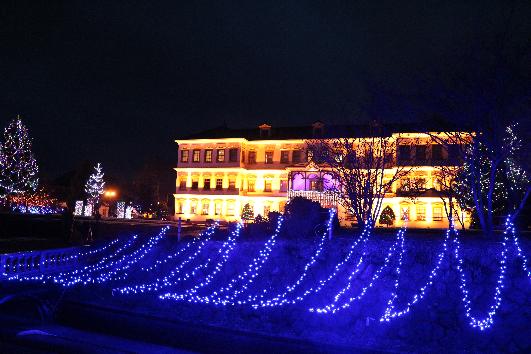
x=18, y=167
x=247, y=212
x=387, y=216
x=94, y=185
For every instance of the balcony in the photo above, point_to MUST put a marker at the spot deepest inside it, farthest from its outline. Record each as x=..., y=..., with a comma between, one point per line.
x=327, y=199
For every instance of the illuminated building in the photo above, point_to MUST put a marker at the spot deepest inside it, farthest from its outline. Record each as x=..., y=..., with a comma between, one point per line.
x=220, y=170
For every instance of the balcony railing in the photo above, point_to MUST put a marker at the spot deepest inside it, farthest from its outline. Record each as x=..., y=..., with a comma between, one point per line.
x=327, y=199
x=228, y=191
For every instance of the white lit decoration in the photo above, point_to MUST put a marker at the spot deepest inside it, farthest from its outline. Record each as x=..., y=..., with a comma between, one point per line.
x=78, y=210
x=88, y=210
x=120, y=210
x=129, y=212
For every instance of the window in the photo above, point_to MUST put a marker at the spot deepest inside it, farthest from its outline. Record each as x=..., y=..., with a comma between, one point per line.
x=195, y=184
x=267, y=209
x=184, y=155
x=206, y=184
x=437, y=213
x=296, y=157
x=230, y=207
x=283, y=185
x=284, y=156
x=221, y=155
x=233, y=155
x=250, y=185
x=421, y=213
x=251, y=157
x=269, y=157
x=219, y=183
x=217, y=207
x=193, y=206
x=196, y=157
x=405, y=213
x=404, y=152
x=208, y=155
x=267, y=186
x=182, y=183
x=436, y=152
x=232, y=184
x=453, y=152
x=205, y=205
x=180, y=207
x=420, y=153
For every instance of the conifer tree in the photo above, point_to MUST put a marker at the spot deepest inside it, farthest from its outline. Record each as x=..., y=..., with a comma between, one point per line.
x=18, y=167
x=94, y=185
x=247, y=212
x=387, y=216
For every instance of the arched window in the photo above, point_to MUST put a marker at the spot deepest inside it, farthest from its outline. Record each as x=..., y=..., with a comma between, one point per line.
x=313, y=183
x=205, y=206
x=328, y=182
x=297, y=182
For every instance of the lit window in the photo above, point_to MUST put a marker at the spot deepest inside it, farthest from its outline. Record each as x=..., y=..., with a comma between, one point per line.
x=208, y=155
x=405, y=213
x=284, y=185
x=180, y=206
x=182, y=183
x=205, y=205
x=437, y=213
x=217, y=207
x=421, y=213
x=221, y=155
x=269, y=157
x=267, y=186
x=193, y=206
x=250, y=185
x=230, y=208
x=196, y=157
x=267, y=209
x=184, y=155
x=232, y=184
x=206, y=184
x=219, y=183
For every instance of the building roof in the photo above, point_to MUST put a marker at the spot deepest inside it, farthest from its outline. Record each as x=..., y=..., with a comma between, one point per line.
x=328, y=131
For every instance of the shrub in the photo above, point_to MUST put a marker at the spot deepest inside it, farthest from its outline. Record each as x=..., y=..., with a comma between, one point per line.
x=301, y=217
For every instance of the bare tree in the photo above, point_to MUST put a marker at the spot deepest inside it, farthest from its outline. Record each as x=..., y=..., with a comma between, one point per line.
x=364, y=170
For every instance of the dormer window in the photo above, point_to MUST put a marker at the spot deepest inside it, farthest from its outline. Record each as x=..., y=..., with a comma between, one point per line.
x=265, y=130
x=318, y=129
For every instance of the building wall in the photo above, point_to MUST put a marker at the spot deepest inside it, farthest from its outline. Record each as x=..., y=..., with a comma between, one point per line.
x=212, y=189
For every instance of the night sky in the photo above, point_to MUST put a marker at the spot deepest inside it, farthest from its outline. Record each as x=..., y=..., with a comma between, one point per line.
x=117, y=82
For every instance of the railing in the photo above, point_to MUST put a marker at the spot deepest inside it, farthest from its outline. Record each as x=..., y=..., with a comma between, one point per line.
x=27, y=263
x=325, y=198
x=212, y=191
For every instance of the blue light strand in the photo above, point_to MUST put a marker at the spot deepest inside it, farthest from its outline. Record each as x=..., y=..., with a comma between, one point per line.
x=489, y=319
x=165, y=282
x=389, y=311
x=254, y=298
x=226, y=252
x=205, y=235
x=106, y=272
x=101, y=264
x=246, y=278
x=281, y=299
x=332, y=308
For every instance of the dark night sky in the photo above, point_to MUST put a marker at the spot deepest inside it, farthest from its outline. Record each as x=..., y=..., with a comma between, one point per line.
x=117, y=81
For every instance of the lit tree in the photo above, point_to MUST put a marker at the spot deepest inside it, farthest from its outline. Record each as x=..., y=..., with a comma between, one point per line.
x=387, y=216
x=94, y=185
x=18, y=167
x=247, y=212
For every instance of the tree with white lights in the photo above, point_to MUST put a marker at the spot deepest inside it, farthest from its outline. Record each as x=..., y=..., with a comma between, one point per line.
x=18, y=167
x=94, y=185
